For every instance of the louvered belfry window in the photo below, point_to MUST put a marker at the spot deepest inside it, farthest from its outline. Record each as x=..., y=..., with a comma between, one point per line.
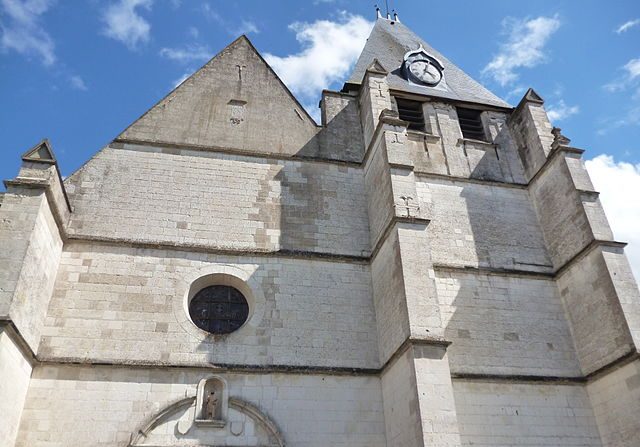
x=471, y=124
x=411, y=111
x=219, y=309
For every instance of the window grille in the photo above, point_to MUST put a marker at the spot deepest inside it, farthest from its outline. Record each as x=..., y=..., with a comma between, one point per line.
x=411, y=111
x=219, y=309
x=471, y=124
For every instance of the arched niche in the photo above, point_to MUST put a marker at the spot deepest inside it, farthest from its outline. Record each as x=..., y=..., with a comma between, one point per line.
x=212, y=401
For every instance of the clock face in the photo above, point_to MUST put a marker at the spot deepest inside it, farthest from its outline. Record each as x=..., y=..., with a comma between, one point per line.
x=425, y=71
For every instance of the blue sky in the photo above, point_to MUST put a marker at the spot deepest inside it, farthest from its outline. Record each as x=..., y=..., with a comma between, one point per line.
x=78, y=72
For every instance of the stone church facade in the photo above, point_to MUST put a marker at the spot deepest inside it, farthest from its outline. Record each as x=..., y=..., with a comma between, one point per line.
x=429, y=267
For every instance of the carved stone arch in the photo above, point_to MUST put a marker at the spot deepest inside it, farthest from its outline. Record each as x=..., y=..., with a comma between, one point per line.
x=159, y=418
x=261, y=418
x=175, y=426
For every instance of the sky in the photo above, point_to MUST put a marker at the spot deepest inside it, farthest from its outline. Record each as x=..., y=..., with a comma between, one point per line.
x=79, y=72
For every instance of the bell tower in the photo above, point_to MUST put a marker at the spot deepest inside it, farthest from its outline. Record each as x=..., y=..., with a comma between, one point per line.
x=496, y=279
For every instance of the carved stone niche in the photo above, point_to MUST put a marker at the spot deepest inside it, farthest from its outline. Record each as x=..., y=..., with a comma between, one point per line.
x=212, y=402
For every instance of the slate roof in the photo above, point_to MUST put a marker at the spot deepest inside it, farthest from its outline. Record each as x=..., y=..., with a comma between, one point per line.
x=389, y=41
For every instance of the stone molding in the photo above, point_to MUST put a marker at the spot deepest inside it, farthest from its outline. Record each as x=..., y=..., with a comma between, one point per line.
x=254, y=413
x=158, y=418
x=235, y=403
x=223, y=274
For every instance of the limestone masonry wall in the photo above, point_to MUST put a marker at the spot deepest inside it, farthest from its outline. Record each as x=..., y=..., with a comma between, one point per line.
x=482, y=226
x=220, y=201
x=122, y=304
x=505, y=325
x=310, y=410
x=559, y=208
x=19, y=213
x=511, y=414
x=388, y=298
x=616, y=403
x=31, y=247
x=401, y=405
x=15, y=371
x=341, y=137
x=599, y=328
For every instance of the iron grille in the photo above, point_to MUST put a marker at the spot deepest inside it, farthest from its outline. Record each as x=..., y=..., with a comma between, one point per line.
x=219, y=309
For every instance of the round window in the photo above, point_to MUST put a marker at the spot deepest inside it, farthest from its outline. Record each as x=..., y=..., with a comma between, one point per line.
x=219, y=309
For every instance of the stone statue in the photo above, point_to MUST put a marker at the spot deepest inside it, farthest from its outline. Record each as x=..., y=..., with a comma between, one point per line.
x=211, y=405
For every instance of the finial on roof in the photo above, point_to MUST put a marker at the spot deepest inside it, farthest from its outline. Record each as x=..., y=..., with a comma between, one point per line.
x=378, y=14
x=558, y=138
x=386, y=2
x=395, y=16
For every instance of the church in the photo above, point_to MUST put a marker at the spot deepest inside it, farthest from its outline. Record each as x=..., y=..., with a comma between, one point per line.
x=430, y=266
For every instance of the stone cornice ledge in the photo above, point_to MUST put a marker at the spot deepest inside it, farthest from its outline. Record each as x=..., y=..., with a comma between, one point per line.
x=493, y=271
x=14, y=333
x=387, y=230
x=127, y=144
x=585, y=251
x=388, y=117
x=551, y=157
x=226, y=251
x=414, y=340
x=437, y=341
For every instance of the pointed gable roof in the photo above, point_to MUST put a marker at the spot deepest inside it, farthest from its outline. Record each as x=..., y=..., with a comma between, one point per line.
x=390, y=40
x=41, y=152
x=234, y=101
x=377, y=67
x=533, y=96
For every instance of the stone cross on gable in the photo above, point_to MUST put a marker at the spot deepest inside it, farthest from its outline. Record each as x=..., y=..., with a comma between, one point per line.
x=240, y=68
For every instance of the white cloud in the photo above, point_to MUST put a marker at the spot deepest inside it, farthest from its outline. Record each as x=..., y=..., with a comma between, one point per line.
x=619, y=183
x=22, y=30
x=516, y=92
x=188, y=54
x=329, y=49
x=78, y=83
x=524, y=47
x=560, y=111
x=630, y=118
x=626, y=26
x=630, y=80
x=633, y=69
x=632, y=73
x=125, y=24
x=211, y=14
x=246, y=27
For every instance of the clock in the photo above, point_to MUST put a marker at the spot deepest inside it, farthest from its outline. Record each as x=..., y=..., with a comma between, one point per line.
x=421, y=68
x=425, y=72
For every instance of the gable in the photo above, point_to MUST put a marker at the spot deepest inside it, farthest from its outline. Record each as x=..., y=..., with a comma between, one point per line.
x=235, y=101
x=41, y=152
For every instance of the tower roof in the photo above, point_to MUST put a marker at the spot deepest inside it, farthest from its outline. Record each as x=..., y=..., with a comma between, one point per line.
x=390, y=40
